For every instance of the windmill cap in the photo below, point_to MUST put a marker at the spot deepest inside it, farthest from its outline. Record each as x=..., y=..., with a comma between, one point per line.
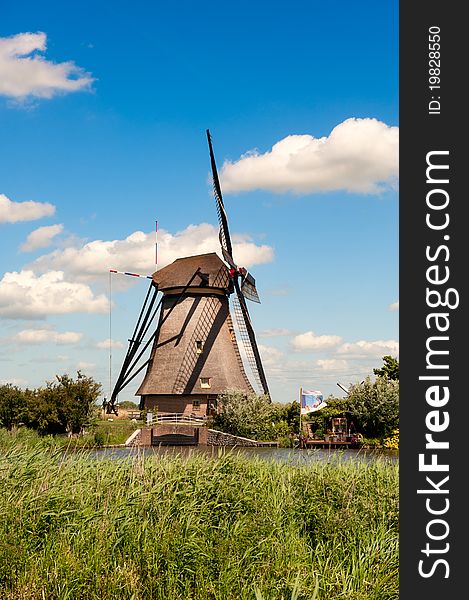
x=213, y=272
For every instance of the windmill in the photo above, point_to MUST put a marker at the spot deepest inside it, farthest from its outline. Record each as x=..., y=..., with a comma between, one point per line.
x=194, y=349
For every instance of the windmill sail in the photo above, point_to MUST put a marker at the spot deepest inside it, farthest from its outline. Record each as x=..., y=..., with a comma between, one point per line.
x=248, y=284
x=244, y=290
x=248, y=287
x=243, y=334
x=195, y=353
x=249, y=339
x=224, y=235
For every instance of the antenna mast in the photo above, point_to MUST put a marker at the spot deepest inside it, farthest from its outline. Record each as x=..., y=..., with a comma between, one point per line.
x=156, y=245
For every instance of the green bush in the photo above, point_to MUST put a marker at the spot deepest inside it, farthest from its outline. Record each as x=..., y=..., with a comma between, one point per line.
x=99, y=438
x=65, y=405
x=255, y=416
x=374, y=406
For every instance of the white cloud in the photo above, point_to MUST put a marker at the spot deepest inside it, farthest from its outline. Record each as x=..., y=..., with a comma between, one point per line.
x=246, y=253
x=360, y=156
x=362, y=348
x=24, y=295
x=270, y=356
x=332, y=364
x=269, y=333
x=85, y=366
x=12, y=212
x=104, y=344
x=14, y=381
x=137, y=251
x=49, y=358
x=41, y=237
x=46, y=336
x=24, y=72
x=310, y=341
x=394, y=306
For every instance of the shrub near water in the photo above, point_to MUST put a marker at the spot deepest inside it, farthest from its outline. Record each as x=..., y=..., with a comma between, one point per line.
x=197, y=528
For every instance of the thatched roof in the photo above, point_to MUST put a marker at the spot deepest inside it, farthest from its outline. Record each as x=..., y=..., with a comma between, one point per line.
x=178, y=273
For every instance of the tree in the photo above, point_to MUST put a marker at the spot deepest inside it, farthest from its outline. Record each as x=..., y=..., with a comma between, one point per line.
x=12, y=406
x=390, y=369
x=63, y=406
x=290, y=413
x=128, y=404
x=243, y=414
x=77, y=401
x=255, y=416
x=374, y=406
x=42, y=411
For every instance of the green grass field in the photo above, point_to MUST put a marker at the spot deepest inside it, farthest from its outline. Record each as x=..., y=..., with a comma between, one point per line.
x=227, y=528
x=103, y=433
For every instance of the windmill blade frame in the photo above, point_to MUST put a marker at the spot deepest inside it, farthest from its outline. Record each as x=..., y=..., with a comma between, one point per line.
x=225, y=239
x=248, y=285
x=249, y=340
x=228, y=258
x=248, y=288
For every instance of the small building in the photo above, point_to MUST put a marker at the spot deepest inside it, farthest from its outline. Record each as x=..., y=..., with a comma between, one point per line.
x=337, y=431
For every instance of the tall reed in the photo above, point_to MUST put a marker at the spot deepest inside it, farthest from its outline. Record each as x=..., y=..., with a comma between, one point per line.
x=227, y=528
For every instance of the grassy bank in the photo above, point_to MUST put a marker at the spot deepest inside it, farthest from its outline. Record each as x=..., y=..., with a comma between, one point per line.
x=102, y=433
x=107, y=433
x=179, y=529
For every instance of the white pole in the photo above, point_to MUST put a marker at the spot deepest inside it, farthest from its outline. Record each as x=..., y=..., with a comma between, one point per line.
x=110, y=336
x=156, y=245
x=301, y=394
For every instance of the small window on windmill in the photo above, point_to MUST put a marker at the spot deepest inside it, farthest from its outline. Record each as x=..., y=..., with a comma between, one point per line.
x=205, y=382
x=196, y=404
x=199, y=346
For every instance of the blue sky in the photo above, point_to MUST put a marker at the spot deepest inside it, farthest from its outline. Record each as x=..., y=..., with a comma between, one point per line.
x=103, y=111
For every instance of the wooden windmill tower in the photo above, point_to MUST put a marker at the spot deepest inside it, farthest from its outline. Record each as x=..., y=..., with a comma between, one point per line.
x=195, y=354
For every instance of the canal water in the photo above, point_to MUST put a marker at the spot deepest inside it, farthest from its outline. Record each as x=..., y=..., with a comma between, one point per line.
x=284, y=455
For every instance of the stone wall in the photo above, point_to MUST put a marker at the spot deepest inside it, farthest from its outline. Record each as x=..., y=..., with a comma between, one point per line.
x=211, y=437
x=143, y=438
x=173, y=429
x=134, y=438
x=206, y=437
